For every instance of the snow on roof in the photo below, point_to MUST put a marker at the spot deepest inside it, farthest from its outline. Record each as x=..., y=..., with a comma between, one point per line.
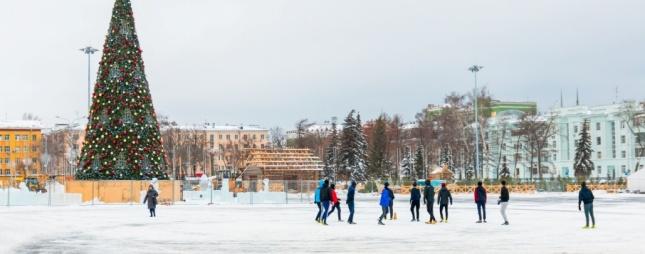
x=212, y=127
x=22, y=124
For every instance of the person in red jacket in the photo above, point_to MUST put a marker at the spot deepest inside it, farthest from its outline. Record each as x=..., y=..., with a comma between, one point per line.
x=480, y=200
x=335, y=201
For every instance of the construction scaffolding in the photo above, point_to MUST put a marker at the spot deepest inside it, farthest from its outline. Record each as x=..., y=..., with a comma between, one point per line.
x=281, y=164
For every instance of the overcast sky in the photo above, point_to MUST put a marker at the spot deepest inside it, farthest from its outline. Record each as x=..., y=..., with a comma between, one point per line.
x=273, y=62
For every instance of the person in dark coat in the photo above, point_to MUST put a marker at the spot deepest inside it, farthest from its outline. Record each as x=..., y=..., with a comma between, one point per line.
x=480, y=200
x=335, y=201
x=151, y=199
x=384, y=202
x=391, y=206
x=586, y=196
x=503, y=201
x=415, y=201
x=325, y=198
x=442, y=199
x=428, y=200
x=350, y=202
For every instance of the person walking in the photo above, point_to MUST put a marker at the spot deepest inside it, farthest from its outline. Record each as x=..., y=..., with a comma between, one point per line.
x=415, y=201
x=317, y=200
x=442, y=199
x=325, y=198
x=586, y=196
x=350, y=202
x=384, y=202
x=503, y=202
x=480, y=200
x=335, y=201
x=391, y=205
x=151, y=199
x=428, y=200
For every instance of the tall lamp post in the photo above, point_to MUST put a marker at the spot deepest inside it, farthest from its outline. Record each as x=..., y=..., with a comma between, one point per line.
x=89, y=51
x=474, y=69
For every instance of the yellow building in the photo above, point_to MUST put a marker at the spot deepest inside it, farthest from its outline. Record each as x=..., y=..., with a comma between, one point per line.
x=20, y=148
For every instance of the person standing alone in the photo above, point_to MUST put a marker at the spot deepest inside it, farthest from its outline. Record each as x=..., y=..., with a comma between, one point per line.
x=151, y=199
x=503, y=201
x=442, y=200
x=350, y=202
x=586, y=196
x=415, y=201
x=384, y=202
x=428, y=200
x=480, y=199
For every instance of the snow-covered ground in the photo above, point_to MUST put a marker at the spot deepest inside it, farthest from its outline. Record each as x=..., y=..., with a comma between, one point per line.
x=540, y=223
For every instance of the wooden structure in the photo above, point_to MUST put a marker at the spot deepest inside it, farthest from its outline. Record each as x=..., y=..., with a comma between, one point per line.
x=281, y=164
x=442, y=173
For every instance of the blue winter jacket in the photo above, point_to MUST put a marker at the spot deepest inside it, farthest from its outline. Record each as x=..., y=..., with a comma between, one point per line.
x=585, y=195
x=350, y=195
x=317, y=193
x=385, y=198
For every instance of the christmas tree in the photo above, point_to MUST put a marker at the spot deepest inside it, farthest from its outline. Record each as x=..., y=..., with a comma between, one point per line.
x=122, y=139
x=582, y=164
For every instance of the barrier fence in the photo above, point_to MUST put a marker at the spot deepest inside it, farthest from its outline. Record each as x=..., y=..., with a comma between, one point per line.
x=61, y=191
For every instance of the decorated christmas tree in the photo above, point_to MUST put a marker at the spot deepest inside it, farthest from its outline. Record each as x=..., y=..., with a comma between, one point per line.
x=122, y=139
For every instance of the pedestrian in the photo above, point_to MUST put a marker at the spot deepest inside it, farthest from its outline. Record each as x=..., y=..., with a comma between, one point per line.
x=317, y=200
x=384, y=202
x=586, y=196
x=415, y=201
x=428, y=200
x=503, y=201
x=324, y=199
x=442, y=199
x=391, y=205
x=335, y=201
x=350, y=202
x=480, y=200
x=151, y=199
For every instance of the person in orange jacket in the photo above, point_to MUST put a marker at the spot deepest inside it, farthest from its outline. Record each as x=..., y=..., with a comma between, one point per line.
x=334, y=200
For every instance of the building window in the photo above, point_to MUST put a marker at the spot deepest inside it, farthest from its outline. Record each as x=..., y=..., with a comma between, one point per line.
x=262, y=137
x=622, y=124
x=262, y=146
x=555, y=144
x=6, y=160
x=7, y=149
x=598, y=141
x=598, y=126
x=244, y=137
x=7, y=137
x=599, y=170
x=555, y=157
x=599, y=155
x=33, y=137
x=623, y=168
x=34, y=148
x=623, y=139
x=575, y=129
x=228, y=137
x=623, y=154
x=235, y=137
x=220, y=136
x=7, y=172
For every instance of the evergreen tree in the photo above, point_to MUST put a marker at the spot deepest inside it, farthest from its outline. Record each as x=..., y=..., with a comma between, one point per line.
x=419, y=165
x=446, y=158
x=122, y=140
x=378, y=165
x=331, y=161
x=353, y=149
x=407, y=164
x=505, y=173
x=582, y=164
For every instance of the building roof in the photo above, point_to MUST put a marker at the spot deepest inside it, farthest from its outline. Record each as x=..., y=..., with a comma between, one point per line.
x=283, y=160
x=21, y=125
x=213, y=127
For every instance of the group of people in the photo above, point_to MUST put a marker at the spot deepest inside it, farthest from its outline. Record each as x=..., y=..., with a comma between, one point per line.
x=326, y=196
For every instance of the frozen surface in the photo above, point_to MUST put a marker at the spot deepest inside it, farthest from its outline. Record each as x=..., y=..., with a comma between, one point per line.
x=540, y=223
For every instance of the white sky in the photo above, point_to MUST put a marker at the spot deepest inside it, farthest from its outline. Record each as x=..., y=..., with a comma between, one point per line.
x=273, y=62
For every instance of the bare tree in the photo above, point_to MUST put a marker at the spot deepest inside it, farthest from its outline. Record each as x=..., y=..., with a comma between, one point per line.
x=633, y=117
x=277, y=137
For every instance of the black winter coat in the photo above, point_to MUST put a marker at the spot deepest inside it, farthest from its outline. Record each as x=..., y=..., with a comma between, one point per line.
x=415, y=194
x=428, y=194
x=504, y=196
x=324, y=194
x=444, y=196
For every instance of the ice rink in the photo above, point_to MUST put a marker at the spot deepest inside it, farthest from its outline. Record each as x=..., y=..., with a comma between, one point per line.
x=540, y=223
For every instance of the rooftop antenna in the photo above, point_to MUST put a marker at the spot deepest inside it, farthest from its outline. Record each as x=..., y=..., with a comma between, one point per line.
x=577, y=98
x=561, y=99
x=616, y=99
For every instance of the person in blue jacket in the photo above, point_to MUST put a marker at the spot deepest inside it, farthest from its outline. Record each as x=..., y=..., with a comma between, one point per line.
x=350, y=202
x=384, y=202
x=317, y=199
x=415, y=201
x=480, y=200
x=586, y=196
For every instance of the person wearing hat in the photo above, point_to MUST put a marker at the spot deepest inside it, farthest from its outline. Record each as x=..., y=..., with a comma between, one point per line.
x=384, y=202
x=428, y=200
x=586, y=196
x=442, y=199
x=151, y=199
x=350, y=202
x=415, y=201
x=335, y=201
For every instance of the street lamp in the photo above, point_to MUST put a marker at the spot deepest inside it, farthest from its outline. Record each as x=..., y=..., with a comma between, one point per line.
x=474, y=69
x=89, y=51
